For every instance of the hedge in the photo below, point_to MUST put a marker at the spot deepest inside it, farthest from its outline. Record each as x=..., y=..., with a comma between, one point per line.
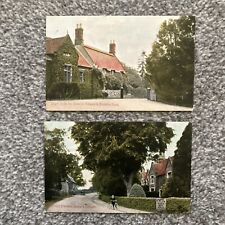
x=63, y=90
x=173, y=205
x=140, y=203
x=177, y=205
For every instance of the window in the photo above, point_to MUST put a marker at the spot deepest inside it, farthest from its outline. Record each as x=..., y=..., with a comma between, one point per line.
x=169, y=174
x=152, y=189
x=152, y=180
x=68, y=73
x=82, y=77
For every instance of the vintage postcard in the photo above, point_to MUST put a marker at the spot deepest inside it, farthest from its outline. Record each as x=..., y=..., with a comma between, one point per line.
x=119, y=63
x=117, y=167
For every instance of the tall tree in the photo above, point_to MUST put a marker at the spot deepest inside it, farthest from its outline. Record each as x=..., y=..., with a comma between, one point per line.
x=58, y=162
x=141, y=65
x=179, y=184
x=170, y=66
x=119, y=146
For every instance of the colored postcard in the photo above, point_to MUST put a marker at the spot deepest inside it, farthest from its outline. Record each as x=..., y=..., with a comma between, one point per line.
x=120, y=63
x=117, y=167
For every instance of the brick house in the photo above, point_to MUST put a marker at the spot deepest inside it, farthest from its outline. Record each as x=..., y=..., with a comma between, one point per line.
x=158, y=173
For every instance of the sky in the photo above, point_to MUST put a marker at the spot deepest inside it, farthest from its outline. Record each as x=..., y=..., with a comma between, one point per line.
x=132, y=34
x=178, y=128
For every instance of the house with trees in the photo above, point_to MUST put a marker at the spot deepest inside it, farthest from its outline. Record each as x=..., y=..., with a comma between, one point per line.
x=158, y=173
x=80, y=71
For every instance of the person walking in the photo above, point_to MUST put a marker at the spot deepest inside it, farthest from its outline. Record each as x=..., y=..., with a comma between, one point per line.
x=113, y=202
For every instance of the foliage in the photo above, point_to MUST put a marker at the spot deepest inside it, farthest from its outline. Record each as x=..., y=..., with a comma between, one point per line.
x=170, y=66
x=177, y=205
x=119, y=146
x=64, y=90
x=137, y=191
x=179, y=184
x=133, y=79
x=173, y=205
x=142, y=65
x=55, y=66
x=113, y=82
x=108, y=183
x=139, y=203
x=139, y=92
x=58, y=163
x=93, y=85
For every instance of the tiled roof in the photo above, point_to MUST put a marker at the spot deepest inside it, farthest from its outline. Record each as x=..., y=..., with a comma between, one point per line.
x=53, y=44
x=160, y=167
x=100, y=58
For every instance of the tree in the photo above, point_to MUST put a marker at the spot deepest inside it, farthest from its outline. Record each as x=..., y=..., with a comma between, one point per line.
x=179, y=184
x=59, y=163
x=170, y=66
x=142, y=65
x=119, y=146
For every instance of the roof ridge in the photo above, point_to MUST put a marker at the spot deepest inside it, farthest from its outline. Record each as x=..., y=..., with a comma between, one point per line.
x=57, y=37
x=99, y=50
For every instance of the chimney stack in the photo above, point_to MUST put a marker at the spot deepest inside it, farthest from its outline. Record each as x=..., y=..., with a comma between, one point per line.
x=112, y=47
x=79, y=35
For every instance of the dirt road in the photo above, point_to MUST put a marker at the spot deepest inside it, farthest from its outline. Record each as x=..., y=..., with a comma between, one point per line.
x=88, y=203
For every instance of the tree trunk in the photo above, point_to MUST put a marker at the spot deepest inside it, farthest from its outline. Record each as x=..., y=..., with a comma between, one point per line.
x=128, y=182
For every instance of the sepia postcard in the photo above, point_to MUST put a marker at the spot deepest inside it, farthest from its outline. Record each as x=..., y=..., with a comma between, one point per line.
x=117, y=167
x=119, y=63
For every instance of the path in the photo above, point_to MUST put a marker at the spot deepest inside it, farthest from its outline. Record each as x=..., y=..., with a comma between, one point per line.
x=133, y=104
x=87, y=203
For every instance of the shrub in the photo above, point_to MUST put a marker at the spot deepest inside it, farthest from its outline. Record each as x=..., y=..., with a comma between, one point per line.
x=85, y=91
x=104, y=198
x=177, y=205
x=139, y=92
x=137, y=191
x=64, y=90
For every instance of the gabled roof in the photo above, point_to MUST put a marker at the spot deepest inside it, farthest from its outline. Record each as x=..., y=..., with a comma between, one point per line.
x=53, y=44
x=160, y=167
x=89, y=57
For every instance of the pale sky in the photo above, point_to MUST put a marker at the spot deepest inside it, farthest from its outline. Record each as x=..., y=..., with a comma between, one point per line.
x=178, y=128
x=132, y=34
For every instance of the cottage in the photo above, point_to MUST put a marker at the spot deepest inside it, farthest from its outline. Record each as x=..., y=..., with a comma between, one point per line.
x=158, y=174
x=80, y=64
x=69, y=186
x=90, y=57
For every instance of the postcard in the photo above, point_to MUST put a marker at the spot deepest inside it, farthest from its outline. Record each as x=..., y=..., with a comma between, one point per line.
x=119, y=63
x=117, y=167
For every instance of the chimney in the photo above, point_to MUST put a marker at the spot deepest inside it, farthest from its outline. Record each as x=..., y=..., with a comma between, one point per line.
x=79, y=35
x=112, y=47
